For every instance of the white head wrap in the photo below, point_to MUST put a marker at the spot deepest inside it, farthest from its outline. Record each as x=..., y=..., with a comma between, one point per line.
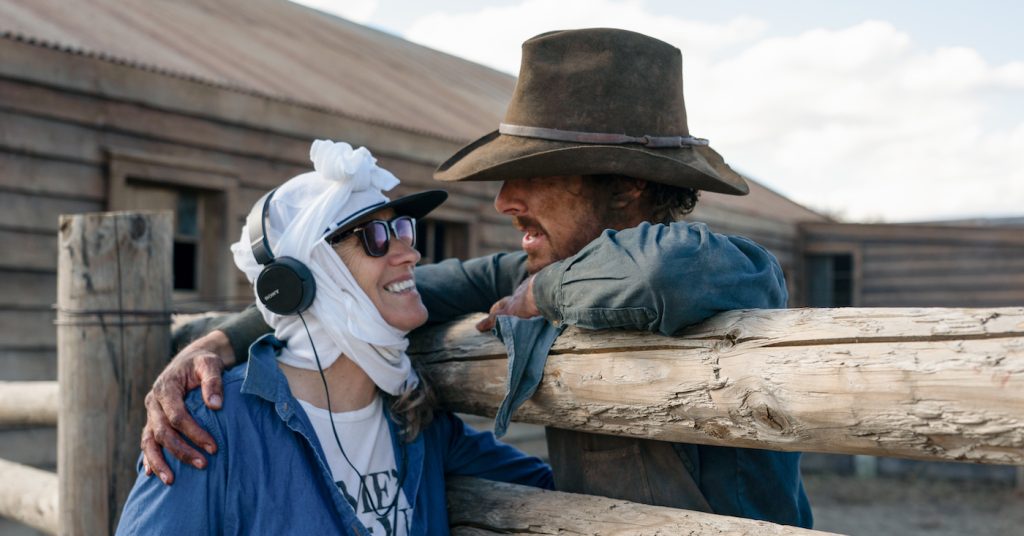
x=342, y=319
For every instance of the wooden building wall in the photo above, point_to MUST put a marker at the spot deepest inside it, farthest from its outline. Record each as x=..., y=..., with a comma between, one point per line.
x=84, y=134
x=896, y=265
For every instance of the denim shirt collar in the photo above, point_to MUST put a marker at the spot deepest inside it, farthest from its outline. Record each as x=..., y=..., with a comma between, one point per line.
x=264, y=379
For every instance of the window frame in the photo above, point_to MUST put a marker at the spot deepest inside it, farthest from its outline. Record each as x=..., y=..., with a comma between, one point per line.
x=834, y=249
x=217, y=191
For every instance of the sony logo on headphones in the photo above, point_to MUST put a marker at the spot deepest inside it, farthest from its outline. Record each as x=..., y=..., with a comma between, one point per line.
x=268, y=297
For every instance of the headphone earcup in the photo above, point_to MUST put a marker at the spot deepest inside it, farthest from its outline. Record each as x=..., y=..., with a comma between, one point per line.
x=286, y=286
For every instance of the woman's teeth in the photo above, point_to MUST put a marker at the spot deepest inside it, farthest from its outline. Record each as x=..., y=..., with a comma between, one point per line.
x=400, y=286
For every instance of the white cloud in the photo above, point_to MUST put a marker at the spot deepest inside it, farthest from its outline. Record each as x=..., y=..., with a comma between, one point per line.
x=354, y=10
x=858, y=120
x=493, y=35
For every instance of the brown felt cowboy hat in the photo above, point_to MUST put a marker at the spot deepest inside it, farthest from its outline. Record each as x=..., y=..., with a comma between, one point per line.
x=596, y=101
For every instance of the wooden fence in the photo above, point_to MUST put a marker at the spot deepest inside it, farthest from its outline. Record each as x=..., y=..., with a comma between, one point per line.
x=929, y=384
x=113, y=337
x=932, y=384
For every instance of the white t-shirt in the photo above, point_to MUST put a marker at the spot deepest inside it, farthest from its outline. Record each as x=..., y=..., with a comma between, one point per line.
x=366, y=439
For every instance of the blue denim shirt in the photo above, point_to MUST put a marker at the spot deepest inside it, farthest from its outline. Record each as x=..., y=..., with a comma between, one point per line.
x=658, y=278
x=270, y=475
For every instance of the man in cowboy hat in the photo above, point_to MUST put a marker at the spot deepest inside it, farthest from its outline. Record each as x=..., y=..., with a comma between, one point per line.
x=593, y=150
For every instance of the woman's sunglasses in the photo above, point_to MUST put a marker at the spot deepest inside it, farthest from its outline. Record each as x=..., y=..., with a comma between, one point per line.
x=376, y=234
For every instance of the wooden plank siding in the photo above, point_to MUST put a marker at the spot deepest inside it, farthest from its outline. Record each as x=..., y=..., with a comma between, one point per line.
x=56, y=148
x=929, y=265
x=55, y=154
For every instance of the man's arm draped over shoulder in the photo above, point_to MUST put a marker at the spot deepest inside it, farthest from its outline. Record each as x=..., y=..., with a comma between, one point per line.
x=657, y=278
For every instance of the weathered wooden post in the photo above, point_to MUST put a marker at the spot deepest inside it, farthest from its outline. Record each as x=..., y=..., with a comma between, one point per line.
x=113, y=301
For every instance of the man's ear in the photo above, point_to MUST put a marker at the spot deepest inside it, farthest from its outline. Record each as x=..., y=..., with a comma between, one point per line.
x=627, y=191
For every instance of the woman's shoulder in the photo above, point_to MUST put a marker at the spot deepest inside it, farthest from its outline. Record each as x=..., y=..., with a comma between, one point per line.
x=233, y=404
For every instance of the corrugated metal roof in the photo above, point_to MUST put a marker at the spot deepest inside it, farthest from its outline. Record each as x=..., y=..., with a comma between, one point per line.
x=281, y=50
x=763, y=202
x=288, y=52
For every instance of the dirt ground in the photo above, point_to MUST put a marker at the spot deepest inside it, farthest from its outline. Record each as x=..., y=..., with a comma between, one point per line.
x=879, y=506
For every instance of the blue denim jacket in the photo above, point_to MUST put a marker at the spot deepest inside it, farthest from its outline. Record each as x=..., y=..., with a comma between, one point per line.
x=270, y=476
x=658, y=278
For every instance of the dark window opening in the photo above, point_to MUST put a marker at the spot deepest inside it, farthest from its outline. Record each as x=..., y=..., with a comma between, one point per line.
x=184, y=266
x=439, y=240
x=186, y=241
x=830, y=280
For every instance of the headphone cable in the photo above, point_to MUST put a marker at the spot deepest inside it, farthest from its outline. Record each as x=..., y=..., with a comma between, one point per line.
x=362, y=478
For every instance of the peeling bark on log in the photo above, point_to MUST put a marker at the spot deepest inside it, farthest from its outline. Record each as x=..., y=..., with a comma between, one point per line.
x=931, y=384
x=29, y=496
x=28, y=403
x=113, y=300
x=480, y=507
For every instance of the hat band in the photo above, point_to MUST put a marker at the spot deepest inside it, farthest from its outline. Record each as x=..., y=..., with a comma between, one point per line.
x=601, y=138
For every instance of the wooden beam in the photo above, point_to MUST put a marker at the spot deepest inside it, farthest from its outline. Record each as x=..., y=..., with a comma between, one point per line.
x=28, y=403
x=113, y=307
x=29, y=496
x=479, y=507
x=930, y=384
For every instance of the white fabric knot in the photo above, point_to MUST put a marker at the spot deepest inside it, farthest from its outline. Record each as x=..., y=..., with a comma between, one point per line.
x=355, y=168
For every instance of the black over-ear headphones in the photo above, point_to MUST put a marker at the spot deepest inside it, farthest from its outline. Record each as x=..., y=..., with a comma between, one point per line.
x=285, y=286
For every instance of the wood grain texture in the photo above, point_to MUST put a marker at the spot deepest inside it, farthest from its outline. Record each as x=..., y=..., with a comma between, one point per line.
x=480, y=507
x=113, y=299
x=932, y=384
x=29, y=495
x=28, y=403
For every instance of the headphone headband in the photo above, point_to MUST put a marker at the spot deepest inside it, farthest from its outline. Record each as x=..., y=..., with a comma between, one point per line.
x=257, y=224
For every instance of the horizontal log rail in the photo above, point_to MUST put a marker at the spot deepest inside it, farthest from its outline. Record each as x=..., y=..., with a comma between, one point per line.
x=28, y=403
x=479, y=507
x=930, y=384
x=29, y=495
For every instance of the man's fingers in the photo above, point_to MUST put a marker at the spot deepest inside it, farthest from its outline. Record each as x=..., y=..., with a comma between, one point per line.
x=169, y=438
x=498, y=308
x=487, y=323
x=208, y=372
x=154, y=458
x=180, y=420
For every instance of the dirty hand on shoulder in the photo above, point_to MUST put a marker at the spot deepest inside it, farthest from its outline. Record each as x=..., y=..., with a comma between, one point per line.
x=521, y=303
x=200, y=364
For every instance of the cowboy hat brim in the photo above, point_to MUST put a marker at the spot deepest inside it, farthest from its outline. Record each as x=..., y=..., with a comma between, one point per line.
x=498, y=156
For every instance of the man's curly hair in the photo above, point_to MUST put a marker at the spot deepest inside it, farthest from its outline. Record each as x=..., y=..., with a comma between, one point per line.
x=670, y=203
x=667, y=203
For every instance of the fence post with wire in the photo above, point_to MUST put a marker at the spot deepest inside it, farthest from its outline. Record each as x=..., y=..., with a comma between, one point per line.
x=113, y=320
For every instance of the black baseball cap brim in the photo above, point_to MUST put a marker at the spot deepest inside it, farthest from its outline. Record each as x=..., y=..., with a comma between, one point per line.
x=416, y=205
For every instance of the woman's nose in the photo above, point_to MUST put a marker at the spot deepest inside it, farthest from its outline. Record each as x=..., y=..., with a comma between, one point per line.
x=400, y=253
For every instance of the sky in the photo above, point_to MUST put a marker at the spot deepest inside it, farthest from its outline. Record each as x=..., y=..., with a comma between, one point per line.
x=868, y=110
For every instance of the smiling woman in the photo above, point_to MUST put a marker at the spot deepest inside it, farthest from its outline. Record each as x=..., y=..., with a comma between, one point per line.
x=383, y=267
x=328, y=428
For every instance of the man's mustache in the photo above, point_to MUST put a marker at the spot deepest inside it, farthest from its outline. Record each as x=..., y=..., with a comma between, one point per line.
x=524, y=223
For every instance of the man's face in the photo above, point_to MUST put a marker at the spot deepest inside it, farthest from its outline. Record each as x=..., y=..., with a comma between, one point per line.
x=557, y=215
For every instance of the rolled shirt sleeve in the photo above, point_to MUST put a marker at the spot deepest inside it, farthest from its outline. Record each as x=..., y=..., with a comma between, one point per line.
x=659, y=278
